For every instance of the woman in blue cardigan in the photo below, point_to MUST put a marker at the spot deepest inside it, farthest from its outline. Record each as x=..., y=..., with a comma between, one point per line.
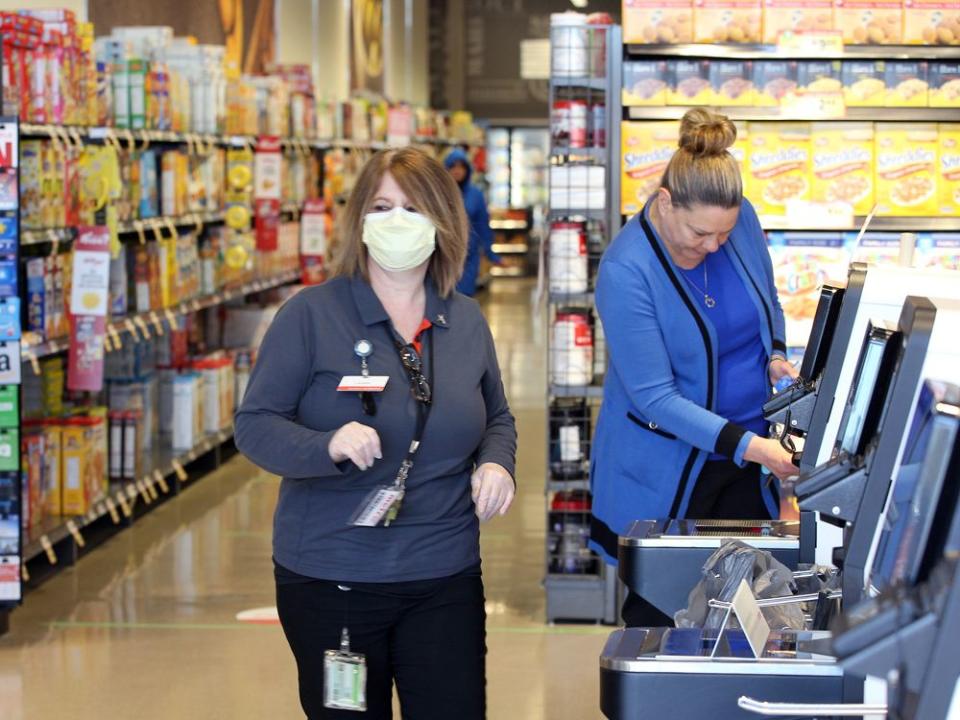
x=696, y=339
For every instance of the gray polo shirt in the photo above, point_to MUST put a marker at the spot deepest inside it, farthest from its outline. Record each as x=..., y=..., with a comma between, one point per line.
x=292, y=409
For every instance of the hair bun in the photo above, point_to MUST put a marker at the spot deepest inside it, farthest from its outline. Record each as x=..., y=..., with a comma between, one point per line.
x=704, y=133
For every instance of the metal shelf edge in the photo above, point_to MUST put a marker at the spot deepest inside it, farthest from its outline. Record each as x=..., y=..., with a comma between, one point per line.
x=748, y=51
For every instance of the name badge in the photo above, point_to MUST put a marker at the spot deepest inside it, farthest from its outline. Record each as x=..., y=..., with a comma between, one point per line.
x=361, y=383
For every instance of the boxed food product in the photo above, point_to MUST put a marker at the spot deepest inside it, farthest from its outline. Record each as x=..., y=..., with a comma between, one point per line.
x=739, y=150
x=906, y=84
x=778, y=165
x=647, y=148
x=870, y=22
x=645, y=82
x=52, y=467
x=819, y=76
x=931, y=22
x=772, y=79
x=781, y=16
x=31, y=475
x=864, y=83
x=906, y=175
x=668, y=21
x=689, y=83
x=78, y=465
x=731, y=82
x=843, y=164
x=735, y=21
x=949, y=163
x=944, y=84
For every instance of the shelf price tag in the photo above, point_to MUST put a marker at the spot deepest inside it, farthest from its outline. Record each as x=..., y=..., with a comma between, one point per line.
x=142, y=489
x=124, y=505
x=825, y=42
x=112, y=509
x=141, y=231
x=48, y=549
x=157, y=324
x=814, y=106
x=150, y=484
x=24, y=573
x=75, y=532
x=131, y=328
x=115, y=336
x=161, y=481
x=179, y=470
x=32, y=359
x=171, y=318
x=142, y=325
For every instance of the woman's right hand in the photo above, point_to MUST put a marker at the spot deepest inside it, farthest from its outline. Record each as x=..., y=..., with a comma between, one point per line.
x=357, y=443
x=772, y=455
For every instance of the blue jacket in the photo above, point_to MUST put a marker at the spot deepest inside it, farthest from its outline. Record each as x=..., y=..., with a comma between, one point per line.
x=481, y=236
x=656, y=428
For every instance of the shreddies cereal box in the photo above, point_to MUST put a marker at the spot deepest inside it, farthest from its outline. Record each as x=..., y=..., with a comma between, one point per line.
x=780, y=16
x=931, y=22
x=906, y=175
x=667, y=21
x=735, y=21
x=870, y=22
x=843, y=164
x=739, y=150
x=646, y=148
x=949, y=164
x=778, y=165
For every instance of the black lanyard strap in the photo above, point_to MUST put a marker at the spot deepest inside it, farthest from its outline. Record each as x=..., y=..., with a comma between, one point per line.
x=423, y=408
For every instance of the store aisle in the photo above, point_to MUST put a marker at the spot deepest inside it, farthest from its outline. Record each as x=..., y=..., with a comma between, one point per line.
x=145, y=626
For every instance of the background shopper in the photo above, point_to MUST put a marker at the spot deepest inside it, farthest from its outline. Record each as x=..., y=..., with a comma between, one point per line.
x=696, y=339
x=481, y=236
x=410, y=594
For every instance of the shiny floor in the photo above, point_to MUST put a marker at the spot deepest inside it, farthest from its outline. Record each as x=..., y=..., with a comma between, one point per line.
x=145, y=626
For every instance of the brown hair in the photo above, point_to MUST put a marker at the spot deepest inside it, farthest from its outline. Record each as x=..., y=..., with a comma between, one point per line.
x=702, y=171
x=431, y=191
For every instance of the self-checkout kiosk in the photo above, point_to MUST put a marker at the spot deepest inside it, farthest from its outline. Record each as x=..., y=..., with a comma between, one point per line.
x=686, y=672
x=660, y=560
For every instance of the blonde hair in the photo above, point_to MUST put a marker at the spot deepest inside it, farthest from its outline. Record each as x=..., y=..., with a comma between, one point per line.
x=431, y=190
x=702, y=171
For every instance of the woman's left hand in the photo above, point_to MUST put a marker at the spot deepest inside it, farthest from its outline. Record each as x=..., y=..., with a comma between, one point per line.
x=780, y=368
x=493, y=490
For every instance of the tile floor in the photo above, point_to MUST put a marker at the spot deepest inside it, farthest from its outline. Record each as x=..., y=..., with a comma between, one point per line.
x=145, y=626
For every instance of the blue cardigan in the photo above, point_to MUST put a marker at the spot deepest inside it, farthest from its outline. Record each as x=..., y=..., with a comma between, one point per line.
x=656, y=427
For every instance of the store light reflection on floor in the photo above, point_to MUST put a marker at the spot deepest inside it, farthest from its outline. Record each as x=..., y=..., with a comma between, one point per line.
x=147, y=626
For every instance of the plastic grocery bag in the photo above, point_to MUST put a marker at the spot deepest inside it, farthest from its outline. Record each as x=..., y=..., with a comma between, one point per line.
x=733, y=562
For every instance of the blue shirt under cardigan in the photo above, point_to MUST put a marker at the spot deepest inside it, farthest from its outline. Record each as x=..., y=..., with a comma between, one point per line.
x=743, y=384
x=292, y=409
x=658, y=424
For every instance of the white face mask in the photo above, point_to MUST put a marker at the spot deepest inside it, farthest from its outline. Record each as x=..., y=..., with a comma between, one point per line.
x=399, y=240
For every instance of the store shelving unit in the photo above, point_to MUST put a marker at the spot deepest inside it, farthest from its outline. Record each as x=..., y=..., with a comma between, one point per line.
x=749, y=51
x=584, y=195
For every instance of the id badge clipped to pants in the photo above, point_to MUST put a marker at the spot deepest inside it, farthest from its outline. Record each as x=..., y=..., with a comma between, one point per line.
x=344, y=678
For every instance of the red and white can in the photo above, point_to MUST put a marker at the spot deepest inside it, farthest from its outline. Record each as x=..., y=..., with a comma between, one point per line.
x=571, y=348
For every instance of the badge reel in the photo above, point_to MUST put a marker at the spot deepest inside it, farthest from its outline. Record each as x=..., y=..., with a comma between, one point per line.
x=344, y=677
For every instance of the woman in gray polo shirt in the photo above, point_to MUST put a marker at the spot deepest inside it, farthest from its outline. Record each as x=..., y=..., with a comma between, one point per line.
x=376, y=536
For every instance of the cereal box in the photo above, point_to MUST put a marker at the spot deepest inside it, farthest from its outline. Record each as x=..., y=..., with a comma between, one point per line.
x=739, y=150
x=944, y=81
x=668, y=21
x=906, y=169
x=689, y=83
x=778, y=165
x=948, y=161
x=645, y=82
x=843, y=164
x=931, y=22
x=906, y=84
x=870, y=22
x=731, y=82
x=795, y=16
x=864, y=83
x=734, y=21
x=772, y=79
x=647, y=148
x=819, y=76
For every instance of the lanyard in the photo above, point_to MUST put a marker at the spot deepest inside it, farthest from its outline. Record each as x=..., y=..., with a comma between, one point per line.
x=423, y=413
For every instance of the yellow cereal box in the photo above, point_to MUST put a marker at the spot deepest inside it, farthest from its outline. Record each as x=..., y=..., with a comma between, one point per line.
x=734, y=21
x=690, y=83
x=864, y=83
x=843, y=164
x=906, y=174
x=667, y=21
x=949, y=163
x=870, y=22
x=645, y=82
x=944, y=85
x=739, y=151
x=646, y=149
x=907, y=84
x=931, y=22
x=773, y=80
x=731, y=83
x=780, y=16
x=778, y=165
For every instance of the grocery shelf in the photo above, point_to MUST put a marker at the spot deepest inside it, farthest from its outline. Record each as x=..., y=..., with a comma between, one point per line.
x=568, y=485
x=77, y=134
x=163, y=463
x=591, y=214
x=729, y=51
x=571, y=299
x=590, y=83
x=40, y=236
x=509, y=225
x=584, y=391
x=878, y=224
x=139, y=324
x=508, y=272
x=510, y=248
x=759, y=114
x=576, y=154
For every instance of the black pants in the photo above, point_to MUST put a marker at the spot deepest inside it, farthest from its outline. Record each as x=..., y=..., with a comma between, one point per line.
x=427, y=636
x=723, y=492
